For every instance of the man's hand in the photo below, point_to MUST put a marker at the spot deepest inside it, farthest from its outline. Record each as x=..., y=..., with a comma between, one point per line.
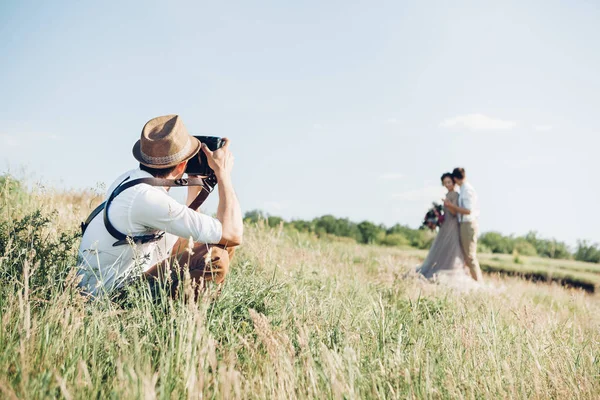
x=455, y=209
x=220, y=160
x=228, y=211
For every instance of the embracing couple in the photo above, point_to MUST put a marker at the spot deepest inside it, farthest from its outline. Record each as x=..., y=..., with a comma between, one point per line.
x=453, y=254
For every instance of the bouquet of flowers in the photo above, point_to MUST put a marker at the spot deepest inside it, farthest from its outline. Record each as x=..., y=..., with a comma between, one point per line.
x=434, y=217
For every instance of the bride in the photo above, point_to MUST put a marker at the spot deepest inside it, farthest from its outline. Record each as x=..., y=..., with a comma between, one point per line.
x=445, y=261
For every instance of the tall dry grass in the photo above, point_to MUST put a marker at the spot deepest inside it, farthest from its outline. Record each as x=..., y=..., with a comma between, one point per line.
x=298, y=318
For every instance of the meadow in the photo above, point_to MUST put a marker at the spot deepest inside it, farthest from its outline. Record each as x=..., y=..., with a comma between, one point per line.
x=569, y=273
x=299, y=317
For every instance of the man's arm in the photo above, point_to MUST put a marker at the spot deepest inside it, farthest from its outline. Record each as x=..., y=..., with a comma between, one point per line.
x=155, y=209
x=456, y=209
x=453, y=201
x=466, y=200
x=229, y=211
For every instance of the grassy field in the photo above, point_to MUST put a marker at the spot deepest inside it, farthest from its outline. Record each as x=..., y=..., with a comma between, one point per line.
x=569, y=273
x=298, y=318
x=566, y=272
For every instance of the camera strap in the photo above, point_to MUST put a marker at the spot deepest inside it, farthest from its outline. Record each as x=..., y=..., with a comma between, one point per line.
x=207, y=184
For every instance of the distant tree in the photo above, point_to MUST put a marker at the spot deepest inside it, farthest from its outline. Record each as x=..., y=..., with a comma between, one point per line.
x=254, y=216
x=524, y=248
x=560, y=250
x=302, y=226
x=553, y=249
x=587, y=252
x=336, y=226
x=369, y=232
x=274, y=221
x=532, y=238
x=497, y=243
x=530, y=245
x=346, y=228
x=328, y=226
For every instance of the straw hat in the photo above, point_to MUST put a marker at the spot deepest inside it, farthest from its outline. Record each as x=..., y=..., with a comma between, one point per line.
x=165, y=142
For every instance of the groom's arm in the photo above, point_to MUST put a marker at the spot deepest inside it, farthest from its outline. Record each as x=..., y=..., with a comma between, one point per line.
x=466, y=200
x=457, y=209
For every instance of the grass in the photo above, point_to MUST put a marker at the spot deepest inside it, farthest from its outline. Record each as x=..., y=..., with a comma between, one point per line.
x=565, y=272
x=569, y=273
x=556, y=265
x=298, y=318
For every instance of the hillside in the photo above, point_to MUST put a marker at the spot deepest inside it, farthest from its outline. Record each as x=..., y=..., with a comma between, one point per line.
x=298, y=317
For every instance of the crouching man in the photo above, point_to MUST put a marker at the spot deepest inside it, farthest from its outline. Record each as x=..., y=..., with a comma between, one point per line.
x=158, y=229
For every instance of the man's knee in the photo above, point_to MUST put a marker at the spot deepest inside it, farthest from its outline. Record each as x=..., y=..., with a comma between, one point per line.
x=219, y=263
x=211, y=262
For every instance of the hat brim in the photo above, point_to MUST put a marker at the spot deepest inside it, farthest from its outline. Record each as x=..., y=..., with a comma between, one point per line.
x=137, y=153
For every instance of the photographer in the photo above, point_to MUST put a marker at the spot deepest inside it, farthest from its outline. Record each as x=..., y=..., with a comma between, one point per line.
x=153, y=228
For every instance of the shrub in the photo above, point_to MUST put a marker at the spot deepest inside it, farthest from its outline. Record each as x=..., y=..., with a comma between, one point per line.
x=497, y=243
x=482, y=248
x=12, y=190
x=524, y=248
x=29, y=238
x=517, y=257
x=395, y=239
x=418, y=238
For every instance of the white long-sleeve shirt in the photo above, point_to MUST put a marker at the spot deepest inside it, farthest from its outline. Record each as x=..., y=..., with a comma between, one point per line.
x=139, y=210
x=468, y=199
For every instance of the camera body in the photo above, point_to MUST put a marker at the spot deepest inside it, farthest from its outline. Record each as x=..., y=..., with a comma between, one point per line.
x=199, y=165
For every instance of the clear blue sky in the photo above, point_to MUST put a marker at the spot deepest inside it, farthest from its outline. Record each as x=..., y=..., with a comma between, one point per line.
x=353, y=108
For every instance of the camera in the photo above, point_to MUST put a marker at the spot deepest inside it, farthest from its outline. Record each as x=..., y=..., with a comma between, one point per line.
x=198, y=165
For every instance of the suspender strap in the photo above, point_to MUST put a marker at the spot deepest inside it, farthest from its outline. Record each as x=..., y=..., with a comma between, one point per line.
x=207, y=187
x=90, y=217
x=124, y=239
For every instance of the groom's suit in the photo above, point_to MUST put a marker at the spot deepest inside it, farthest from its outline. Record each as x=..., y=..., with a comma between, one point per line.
x=469, y=228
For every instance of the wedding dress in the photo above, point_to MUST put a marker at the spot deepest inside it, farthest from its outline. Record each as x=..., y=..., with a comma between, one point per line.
x=445, y=262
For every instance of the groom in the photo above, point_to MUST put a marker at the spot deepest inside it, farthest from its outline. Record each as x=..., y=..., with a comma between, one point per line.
x=468, y=215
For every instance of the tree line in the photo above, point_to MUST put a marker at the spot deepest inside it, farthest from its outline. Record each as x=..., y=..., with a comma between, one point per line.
x=531, y=244
x=398, y=235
